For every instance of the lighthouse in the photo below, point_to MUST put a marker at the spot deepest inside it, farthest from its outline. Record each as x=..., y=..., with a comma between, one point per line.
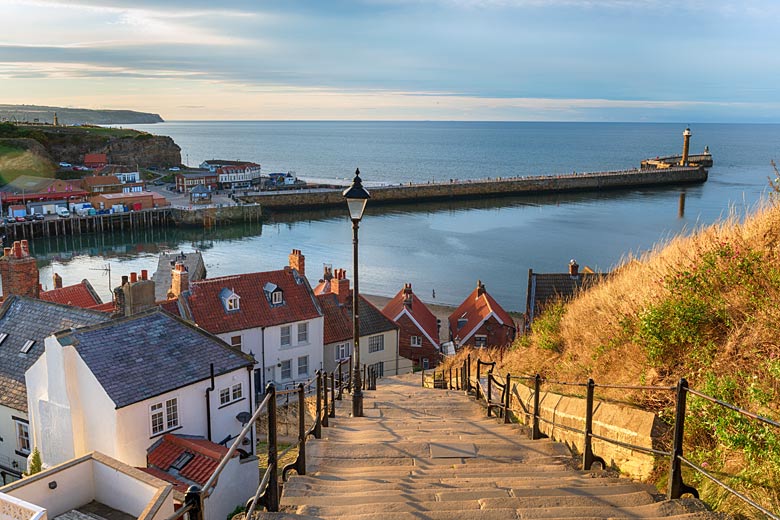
x=56, y=121
x=686, y=147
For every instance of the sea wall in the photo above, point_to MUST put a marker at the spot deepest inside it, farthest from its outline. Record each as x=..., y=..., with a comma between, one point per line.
x=473, y=189
x=213, y=216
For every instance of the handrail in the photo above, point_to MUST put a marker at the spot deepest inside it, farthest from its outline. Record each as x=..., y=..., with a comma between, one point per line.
x=676, y=487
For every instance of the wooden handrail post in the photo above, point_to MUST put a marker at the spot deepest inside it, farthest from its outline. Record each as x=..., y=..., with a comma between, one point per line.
x=477, y=389
x=325, y=412
x=450, y=385
x=333, y=395
x=192, y=497
x=422, y=377
x=270, y=497
x=677, y=487
x=535, y=431
x=341, y=383
x=587, y=451
x=318, y=419
x=349, y=385
x=489, y=389
x=508, y=404
x=468, y=373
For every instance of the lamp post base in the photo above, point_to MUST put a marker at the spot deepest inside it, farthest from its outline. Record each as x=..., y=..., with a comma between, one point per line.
x=357, y=394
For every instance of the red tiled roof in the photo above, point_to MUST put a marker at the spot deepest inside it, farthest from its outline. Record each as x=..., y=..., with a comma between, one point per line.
x=95, y=157
x=178, y=485
x=100, y=180
x=338, y=323
x=171, y=306
x=475, y=309
x=104, y=307
x=78, y=295
x=419, y=313
x=255, y=310
x=206, y=456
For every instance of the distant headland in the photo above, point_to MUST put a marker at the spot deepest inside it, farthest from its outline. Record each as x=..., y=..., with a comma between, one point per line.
x=74, y=116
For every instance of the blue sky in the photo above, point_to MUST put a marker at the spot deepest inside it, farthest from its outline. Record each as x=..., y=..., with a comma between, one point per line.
x=561, y=60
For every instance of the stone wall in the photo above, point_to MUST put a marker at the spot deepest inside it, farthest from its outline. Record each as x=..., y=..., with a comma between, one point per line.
x=614, y=421
x=488, y=188
x=214, y=216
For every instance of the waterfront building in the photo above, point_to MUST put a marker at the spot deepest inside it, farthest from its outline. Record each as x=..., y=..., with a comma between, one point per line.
x=135, y=201
x=24, y=324
x=213, y=164
x=378, y=334
x=272, y=315
x=481, y=322
x=238, y=175
x=419, y=328
x=185, y=181
x=44, y=192
x=119, y=386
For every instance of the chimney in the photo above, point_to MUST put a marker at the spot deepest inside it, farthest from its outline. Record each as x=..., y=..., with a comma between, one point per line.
x=480, y=288
x=340, y=286
x=297, y=261
x=574, y=267
x=180, y=281
x=327, y=273
x=135, y=295
x=57, y=280
x=19, y=271
x=407, y=295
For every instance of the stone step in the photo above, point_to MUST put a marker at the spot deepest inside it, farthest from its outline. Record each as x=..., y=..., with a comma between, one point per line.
x=668, y=508
x=390, y=508
x=630, y=499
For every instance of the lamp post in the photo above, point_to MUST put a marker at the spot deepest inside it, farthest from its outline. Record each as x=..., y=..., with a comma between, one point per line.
x=357, y=197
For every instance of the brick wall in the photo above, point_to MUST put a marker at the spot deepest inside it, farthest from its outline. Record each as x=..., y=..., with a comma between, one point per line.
x=416, y=354
x=19, y=271
x=497, y=335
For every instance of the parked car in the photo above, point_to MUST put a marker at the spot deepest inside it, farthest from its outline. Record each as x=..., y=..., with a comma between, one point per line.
x=63, y=212
x=20, y=219
x=65, y=165
x=174, y=169
x=10, y=220
x=38, y=216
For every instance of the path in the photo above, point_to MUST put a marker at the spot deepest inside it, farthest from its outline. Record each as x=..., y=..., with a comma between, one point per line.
x=432, y=454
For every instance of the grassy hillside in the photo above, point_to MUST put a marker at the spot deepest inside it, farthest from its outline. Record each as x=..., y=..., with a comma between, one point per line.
x=704, y=307
x=73, y=116
x=23, y=157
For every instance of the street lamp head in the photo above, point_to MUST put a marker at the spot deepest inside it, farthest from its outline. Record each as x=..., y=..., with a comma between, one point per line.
x=356, y=196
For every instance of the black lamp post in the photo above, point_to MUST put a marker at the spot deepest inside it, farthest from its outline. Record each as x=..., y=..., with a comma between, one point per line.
x=357, y=197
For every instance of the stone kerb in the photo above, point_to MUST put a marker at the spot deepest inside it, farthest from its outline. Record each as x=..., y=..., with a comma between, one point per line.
x=622, y=423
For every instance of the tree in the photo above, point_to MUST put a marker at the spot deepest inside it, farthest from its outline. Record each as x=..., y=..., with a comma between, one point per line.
x=35, y=465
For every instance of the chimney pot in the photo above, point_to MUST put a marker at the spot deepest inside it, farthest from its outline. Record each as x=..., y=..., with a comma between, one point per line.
x=133, y=277
x=574, y=267
x=480, y=288
x=124, y=279
x=144, y=274
x=57, y=279
x=6, y=251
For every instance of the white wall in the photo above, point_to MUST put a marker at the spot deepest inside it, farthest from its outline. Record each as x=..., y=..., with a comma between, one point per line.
x=123, y=492
x=134, y=429
x=8, y=445
x=237, y=483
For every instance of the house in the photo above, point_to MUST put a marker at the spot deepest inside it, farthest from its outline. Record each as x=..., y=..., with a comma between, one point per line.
x=28, y=188
x=187, y=461
x=544, y=288
x=118, y=386
x=93, y=161
x=24, y=324
x=481, y=322
x=286, y=179
x=94, y=184
x=78, y=295
x=200, y=194
x=135, y=201
x=125, y=174
x=419, y=328
x=378, y=334
x=271, y=315
x=240, y=175
x=91, y=486
x=213, y=164
x=186, y=181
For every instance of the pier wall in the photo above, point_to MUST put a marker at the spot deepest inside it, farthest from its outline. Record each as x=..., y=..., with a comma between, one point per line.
x=213, y=216
x=473, y=189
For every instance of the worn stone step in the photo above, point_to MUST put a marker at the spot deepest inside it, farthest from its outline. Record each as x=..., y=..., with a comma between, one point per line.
x=473, y=514
x=666, y=508
x=391, y=508
x=362, y=498
x=630, y=499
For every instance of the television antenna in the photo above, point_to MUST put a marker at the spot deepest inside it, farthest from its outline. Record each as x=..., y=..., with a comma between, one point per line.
x=106, y=269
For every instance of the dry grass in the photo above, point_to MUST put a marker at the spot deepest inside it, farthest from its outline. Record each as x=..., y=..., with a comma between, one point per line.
x=705, y=307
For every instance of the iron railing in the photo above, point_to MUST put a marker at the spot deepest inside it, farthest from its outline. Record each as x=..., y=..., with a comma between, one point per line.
x=268, y=492
x=676, y=486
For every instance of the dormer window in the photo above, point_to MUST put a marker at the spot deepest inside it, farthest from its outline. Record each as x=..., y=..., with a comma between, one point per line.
x=462, y=322
x=230, y=300
x=273, y=294
x=27, y=346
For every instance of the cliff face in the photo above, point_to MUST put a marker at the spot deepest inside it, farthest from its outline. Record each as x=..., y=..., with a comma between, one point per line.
x=75, y=116
x=155, y=150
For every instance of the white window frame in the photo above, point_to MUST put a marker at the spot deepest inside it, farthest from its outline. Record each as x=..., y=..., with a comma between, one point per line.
x=342, y=351
x=22, y=432
x=169, y=419
x=303, y=332
x=237, y=392
x=288, y=362
x=231, y=394
x=232, y=303
x=304, y=373
x=224, y=396
x=480, y=338
x=376, y=343
x=415, y=341
x=285, y=331
x=277, y=298
x=235, y=343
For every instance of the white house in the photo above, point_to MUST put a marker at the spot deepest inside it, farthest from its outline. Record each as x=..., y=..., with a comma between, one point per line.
x=118, y=387
x=24, y=324
x=273, y=316
x=93, y=485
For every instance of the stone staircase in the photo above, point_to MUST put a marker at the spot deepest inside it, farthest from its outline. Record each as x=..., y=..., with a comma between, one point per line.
x=432, y=454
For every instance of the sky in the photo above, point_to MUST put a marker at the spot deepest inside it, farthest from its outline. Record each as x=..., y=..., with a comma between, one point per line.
x=519, y=60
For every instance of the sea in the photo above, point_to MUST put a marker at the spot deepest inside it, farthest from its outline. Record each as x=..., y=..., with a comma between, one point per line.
x=442, y=248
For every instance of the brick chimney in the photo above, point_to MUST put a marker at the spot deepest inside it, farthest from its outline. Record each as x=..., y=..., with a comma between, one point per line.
x=180, y=280
x=408, y=295
x=574, y=267
x=19, y=271
x=134, y=295
x=480, y=288
x=298, y=261
x=57, y=280
x=339, y=286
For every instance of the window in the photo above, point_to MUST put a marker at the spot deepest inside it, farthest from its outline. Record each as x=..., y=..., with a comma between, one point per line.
x=480, y=341
x=27, y=346
x=224, y=396
x=303, y=366
x=286, y=340
x=376, y=343
x=342, y=351
x=235, y=341
x=232, y=303
x=378, y=368
x=287, y=369
x=237, y=391
x=425, y=363
x=2, y=337
x=22, y=437
x=303, y=333
x=165, y=415
x=276, y=298
x=230, y=394
x=416, y=341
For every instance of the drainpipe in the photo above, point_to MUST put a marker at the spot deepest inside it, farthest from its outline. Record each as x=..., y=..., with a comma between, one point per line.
x=208, y=403
x=250, y=370
x=262, y=355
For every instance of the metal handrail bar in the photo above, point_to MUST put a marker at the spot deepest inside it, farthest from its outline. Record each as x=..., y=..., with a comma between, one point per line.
x=564, y=383
x=289, y=448
x=212, y=481
x=287, y=392
x=629, y=387
x=729, y=489
x=181, y=512
x=496, y=381
x=734, y=408
x=649, y=451
x=260, y=489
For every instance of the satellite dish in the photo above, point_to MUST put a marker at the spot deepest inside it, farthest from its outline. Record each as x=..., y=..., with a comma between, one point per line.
x=243, y=417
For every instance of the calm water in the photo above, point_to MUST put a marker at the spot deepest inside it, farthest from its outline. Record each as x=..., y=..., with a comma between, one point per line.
x=445, y=246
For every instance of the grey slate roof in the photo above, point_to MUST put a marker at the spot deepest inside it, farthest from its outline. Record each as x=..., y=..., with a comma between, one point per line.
x=372, y=321
x=545, y=287
x=26, y=319
x=151, y=353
